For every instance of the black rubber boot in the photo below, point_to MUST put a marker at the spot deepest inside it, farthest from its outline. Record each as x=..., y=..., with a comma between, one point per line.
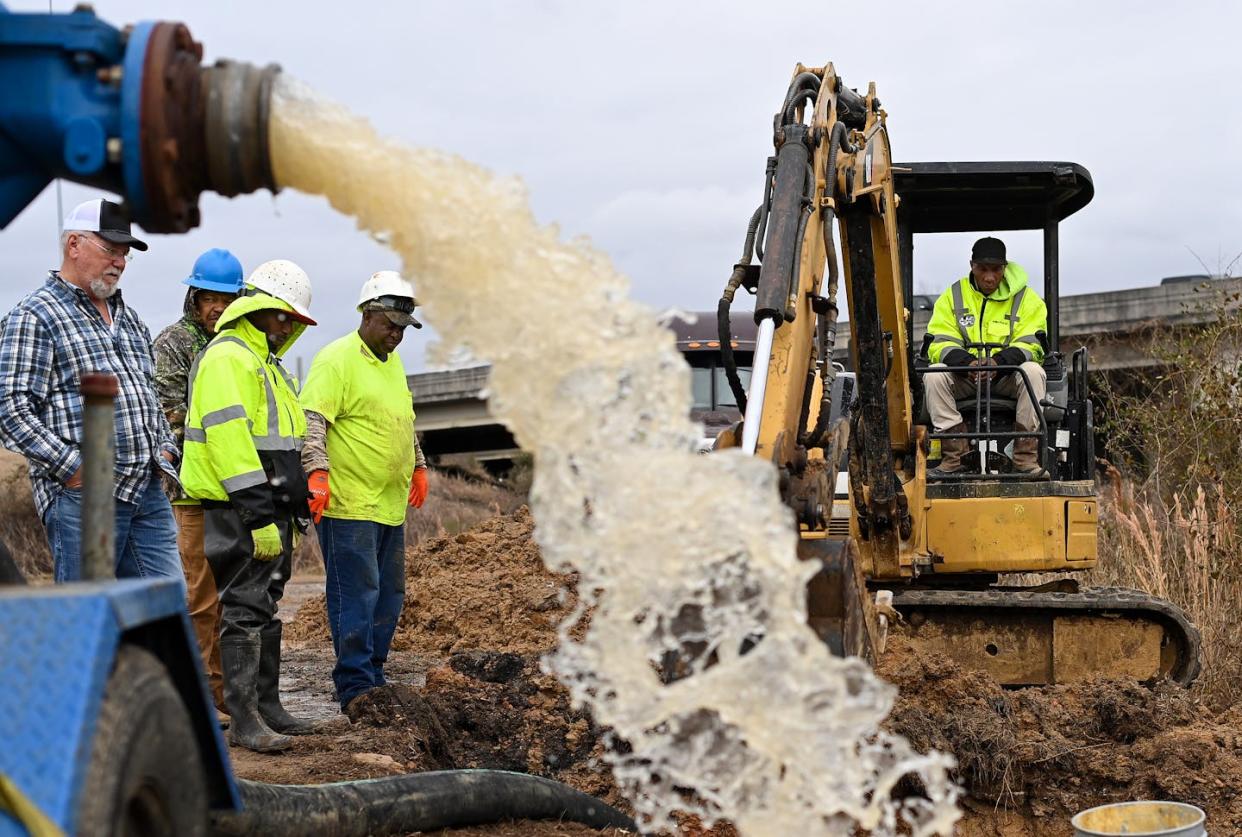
x=239, y=657
x=269, y=687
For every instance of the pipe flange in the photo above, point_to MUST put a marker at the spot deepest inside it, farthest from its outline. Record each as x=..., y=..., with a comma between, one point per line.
x=171, y=136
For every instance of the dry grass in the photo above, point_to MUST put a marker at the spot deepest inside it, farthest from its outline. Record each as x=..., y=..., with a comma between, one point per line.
x=454, y=504
x=1173, y=525
x=20, y=527
x=1190, y=553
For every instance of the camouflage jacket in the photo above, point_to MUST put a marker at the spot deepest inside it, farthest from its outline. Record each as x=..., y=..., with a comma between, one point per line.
x=176, y=347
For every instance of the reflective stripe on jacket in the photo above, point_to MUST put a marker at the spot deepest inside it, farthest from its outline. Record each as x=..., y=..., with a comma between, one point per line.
x=1011, y=315
x=244, y=429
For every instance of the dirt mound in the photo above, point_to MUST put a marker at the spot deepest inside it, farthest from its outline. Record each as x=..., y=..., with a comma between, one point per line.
x=484, y=589
x=1043, y=754
x=481, y=608
x=490, y=710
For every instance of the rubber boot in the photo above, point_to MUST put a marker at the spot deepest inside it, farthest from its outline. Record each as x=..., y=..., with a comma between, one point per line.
x=269, y=687
x=1026, y=457
x=239, y=657
x=951, y=453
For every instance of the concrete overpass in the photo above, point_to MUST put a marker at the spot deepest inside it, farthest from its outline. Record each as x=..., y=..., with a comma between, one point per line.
x=452, y=416
x=452, y=405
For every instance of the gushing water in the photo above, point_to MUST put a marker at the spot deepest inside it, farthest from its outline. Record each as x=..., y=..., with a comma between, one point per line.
x=680, y=556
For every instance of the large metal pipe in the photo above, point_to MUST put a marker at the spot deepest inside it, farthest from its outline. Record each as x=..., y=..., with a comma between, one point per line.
x=133, y=112
x=99, y=393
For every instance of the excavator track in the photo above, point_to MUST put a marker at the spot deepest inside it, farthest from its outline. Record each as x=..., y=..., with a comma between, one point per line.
x=1031, y=637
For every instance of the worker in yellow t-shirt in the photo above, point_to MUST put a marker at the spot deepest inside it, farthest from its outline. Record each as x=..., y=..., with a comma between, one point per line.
x=364, y=468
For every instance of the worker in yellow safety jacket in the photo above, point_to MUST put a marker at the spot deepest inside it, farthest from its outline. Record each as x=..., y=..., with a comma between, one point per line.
x=365, y=468
x=992, y=304
x=242, y=461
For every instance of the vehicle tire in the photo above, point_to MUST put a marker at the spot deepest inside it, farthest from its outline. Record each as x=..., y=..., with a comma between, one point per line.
x=145, y=775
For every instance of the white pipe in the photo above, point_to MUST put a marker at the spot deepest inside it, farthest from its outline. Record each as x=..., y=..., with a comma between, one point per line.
x=758, y=385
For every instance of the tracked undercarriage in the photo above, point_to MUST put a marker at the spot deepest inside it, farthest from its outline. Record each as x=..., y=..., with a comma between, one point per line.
x=1032, y=637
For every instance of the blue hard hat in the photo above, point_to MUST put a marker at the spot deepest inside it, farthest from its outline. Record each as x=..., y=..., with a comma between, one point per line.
x=216, y=270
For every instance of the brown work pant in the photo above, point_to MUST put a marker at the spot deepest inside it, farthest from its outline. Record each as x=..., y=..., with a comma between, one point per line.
x=203, y=602
x=943, y=388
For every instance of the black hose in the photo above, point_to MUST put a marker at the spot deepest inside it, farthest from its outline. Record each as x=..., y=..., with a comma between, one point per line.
x=409, y=803
x=803, y=86
x=819, y=436
x=724, y=328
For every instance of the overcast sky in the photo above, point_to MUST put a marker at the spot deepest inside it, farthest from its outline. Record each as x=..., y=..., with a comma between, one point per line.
x=645, y=126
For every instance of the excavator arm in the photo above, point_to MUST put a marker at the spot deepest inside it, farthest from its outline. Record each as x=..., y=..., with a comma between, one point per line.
x=831, y=177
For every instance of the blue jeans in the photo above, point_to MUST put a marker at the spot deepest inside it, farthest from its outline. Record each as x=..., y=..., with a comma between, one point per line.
x=146, y=535
x=365, y=566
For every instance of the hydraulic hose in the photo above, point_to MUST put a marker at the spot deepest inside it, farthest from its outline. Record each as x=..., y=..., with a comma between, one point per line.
x=819, y=436
x=410, y=803
x=804, y=86
x=724, y=328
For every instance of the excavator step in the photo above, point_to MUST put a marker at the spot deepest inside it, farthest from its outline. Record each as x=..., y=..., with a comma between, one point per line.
x=1025, y=637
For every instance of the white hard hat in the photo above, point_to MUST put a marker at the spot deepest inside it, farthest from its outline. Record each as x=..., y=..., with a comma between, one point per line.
x=386, y=283
x=287, y=282
x=391, y=293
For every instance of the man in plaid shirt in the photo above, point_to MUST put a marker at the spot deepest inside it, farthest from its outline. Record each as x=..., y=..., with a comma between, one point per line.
x=78, y=323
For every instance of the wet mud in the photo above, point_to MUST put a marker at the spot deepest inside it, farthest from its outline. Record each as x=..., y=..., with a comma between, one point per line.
x=481, y=609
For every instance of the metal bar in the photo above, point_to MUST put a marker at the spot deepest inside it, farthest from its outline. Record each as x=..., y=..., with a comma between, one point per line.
x=1052, y=282
x=758, y=385
x=99, y=391
x=905, y=253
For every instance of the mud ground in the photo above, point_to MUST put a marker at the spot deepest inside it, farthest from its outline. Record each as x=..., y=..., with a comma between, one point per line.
x=468, y=691
x=481, y=609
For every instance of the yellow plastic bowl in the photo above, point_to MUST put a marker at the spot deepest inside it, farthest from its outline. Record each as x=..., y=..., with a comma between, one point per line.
x=1141, y=819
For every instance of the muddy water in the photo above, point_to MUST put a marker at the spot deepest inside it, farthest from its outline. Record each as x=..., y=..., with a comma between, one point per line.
x=674, y=550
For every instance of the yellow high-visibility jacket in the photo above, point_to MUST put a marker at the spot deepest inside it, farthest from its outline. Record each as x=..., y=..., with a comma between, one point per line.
x=1011, y=315
x=244, y=428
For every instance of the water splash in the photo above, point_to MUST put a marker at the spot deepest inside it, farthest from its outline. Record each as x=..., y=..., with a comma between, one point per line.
x=683, y=559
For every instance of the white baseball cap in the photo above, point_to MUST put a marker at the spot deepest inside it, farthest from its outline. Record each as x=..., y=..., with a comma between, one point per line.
x=104, y=218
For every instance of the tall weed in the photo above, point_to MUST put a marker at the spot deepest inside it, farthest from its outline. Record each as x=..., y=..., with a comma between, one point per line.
x=1171, y=516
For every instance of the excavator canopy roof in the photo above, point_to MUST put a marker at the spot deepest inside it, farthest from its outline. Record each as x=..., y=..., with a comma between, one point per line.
x=965, y=197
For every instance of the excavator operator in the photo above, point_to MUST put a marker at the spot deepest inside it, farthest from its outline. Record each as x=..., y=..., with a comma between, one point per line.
x=993, y=305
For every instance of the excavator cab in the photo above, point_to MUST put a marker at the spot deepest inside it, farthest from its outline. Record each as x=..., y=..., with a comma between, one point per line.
x=987, y=197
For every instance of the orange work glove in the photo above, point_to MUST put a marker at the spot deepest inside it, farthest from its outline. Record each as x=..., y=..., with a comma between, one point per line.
x=418, y=488
x=317, y=484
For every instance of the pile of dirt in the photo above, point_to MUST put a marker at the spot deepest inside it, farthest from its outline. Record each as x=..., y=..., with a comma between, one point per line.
x=484, y=589
x=481, y=608
x=491, y=710
x=1031, y=758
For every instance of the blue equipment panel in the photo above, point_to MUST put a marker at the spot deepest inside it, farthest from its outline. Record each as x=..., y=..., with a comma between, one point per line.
x=57, y=645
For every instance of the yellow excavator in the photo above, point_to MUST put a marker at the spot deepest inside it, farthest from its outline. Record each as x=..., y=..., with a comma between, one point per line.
x=932, y=553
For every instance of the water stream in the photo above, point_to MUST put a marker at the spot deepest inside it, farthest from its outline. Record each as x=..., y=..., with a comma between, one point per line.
x=677, y=553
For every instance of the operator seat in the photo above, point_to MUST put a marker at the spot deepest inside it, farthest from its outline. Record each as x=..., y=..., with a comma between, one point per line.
x=1004, y=410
